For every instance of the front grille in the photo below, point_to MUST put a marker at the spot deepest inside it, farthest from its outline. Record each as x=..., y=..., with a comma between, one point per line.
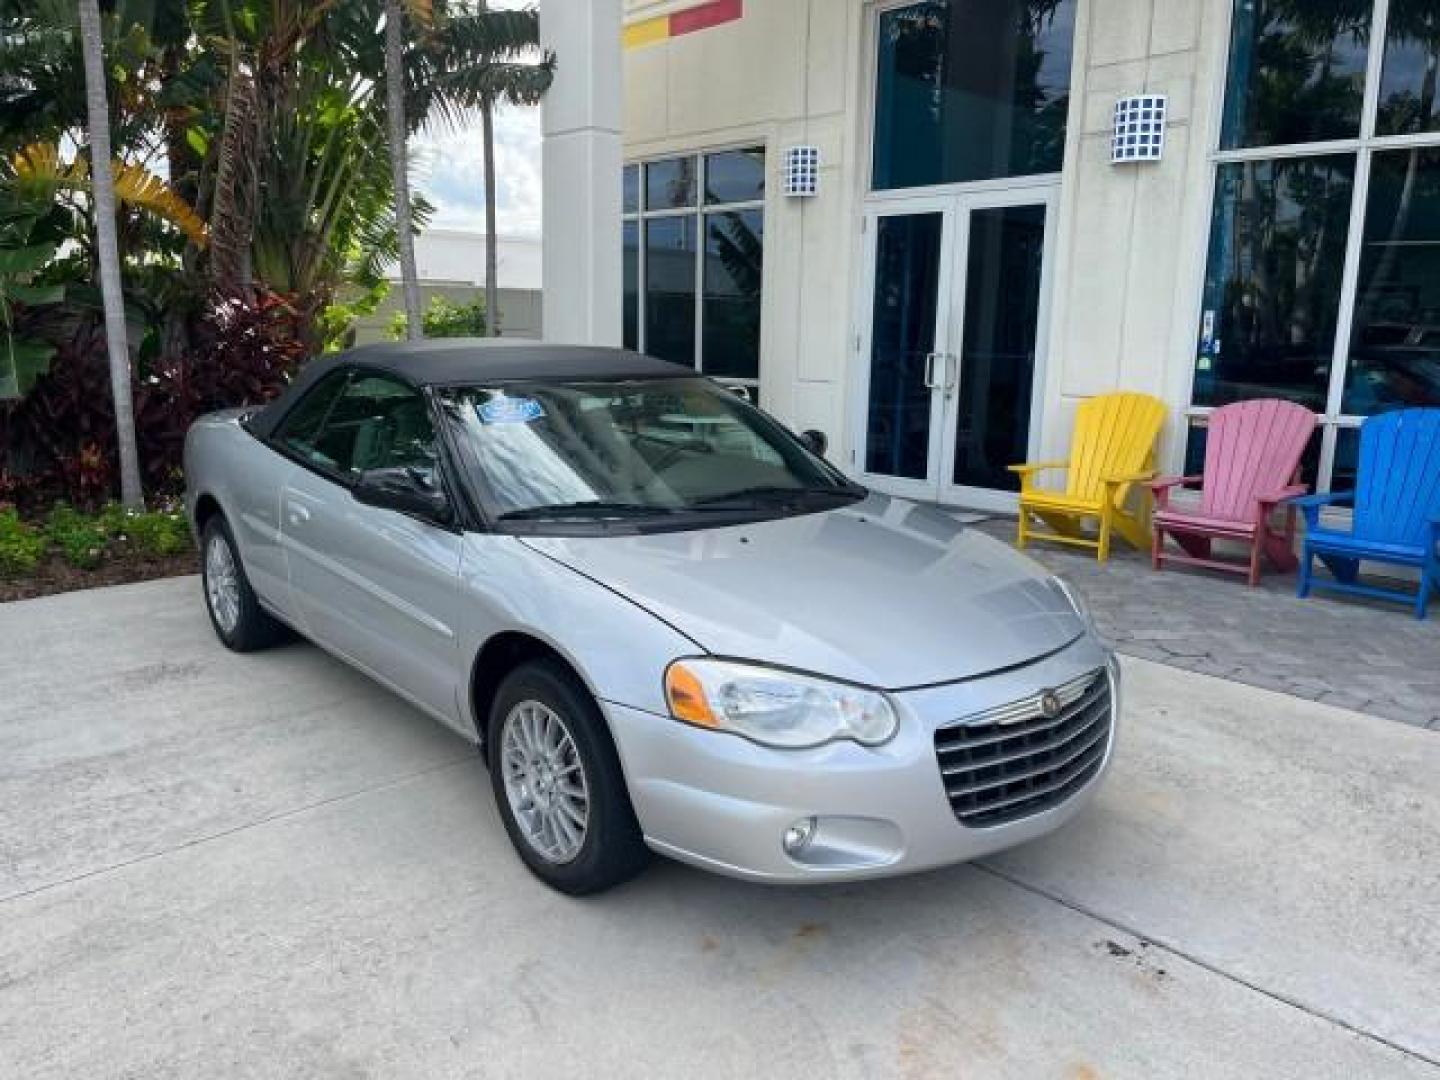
x=1014, y=761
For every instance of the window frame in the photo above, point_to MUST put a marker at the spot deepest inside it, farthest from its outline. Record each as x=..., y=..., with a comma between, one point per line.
x=1363, y=148
x=700, y=211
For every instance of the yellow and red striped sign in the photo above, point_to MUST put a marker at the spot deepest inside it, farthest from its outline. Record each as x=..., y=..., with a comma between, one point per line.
x=700, y=17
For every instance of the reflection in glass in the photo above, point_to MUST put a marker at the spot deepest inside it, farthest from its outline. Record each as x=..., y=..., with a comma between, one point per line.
x=735, y=176
x=630, y=284
x=1347, y=459
x=1272, y=282
x=971, y=91
x=997, y=359
x=907, y=282
x=1408, y=99
x=1297, y=71
x=630, y=189
x=670, y=288
x=734, y=250
x=670, y=184
x=1395, y=340
x=657, y=444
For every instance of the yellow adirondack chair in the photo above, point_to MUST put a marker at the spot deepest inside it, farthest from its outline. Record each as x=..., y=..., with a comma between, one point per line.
x=1112, y=451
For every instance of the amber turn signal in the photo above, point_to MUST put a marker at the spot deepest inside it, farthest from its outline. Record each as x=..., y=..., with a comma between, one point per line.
x=686, y=697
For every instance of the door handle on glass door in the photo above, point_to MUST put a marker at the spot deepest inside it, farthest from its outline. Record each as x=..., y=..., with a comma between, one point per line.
x=930, y=359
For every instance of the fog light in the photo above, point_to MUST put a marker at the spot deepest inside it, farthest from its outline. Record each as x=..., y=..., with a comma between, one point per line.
x=798, y=835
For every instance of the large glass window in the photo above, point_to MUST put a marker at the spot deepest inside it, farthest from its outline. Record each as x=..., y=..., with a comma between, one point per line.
x=693, y=236
x=1394, y=358
x=1297, y=71
x=670, y=270
x=1408, y=98
x=1272, y=290
x=1301, y=300
x=971, y=90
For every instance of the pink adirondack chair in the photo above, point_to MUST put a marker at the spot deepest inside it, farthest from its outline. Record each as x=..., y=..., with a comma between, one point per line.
x=1252, y=459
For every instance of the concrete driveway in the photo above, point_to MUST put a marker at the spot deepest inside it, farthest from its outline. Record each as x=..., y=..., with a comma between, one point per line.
x=217, y=866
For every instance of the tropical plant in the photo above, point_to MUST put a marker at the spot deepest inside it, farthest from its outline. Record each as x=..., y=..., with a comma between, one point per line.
x=399, y=153
x=22, y=359
x=444, y=318
x=21, y=546
x=490, y=58
x=253, y=207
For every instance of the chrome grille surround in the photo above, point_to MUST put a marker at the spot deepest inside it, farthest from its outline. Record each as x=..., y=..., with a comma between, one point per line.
x=1014, y=761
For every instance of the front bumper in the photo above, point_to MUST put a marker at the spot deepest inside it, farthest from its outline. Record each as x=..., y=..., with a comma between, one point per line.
x=724, y=803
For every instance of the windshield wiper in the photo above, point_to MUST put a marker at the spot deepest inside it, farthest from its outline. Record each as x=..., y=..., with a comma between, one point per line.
x=588, y=508
x=772, y=494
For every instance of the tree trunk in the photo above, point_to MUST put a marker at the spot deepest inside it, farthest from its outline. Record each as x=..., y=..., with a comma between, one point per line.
x=492, y=255
x=399, y=159
x=103, y=193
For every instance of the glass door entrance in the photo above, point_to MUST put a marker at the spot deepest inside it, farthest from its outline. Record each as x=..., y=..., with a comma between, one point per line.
x=958, y=291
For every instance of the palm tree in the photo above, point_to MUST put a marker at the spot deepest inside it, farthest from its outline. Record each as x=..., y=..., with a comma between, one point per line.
x=487, y=62
x=492, y=257
x=108, y=254
x=399, y=160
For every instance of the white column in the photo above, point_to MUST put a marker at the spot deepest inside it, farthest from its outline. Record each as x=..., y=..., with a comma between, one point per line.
x=581, y=168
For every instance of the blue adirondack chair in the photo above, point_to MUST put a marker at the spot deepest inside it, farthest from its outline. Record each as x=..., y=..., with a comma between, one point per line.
x=1397, y=510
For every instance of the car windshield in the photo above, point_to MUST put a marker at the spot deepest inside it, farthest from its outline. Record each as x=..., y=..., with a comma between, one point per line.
x=633, y=449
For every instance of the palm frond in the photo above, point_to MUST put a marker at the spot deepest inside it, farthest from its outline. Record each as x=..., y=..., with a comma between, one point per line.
x=487, y=36
x=39, y=172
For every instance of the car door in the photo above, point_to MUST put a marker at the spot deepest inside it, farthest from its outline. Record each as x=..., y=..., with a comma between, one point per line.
x=256, y=490
x=378, y=586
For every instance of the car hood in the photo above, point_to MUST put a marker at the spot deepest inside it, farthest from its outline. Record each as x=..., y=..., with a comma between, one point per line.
x=886, y=592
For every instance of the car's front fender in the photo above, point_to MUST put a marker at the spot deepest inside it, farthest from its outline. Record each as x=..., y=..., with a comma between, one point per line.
x=619, y=649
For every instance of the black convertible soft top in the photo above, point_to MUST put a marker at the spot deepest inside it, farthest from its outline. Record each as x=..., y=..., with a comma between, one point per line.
x=458, y=361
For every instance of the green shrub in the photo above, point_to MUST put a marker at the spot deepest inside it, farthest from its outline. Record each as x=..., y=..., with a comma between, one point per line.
x=80, y=539
x=444, y=318
x=157, y=532
x=21, y=547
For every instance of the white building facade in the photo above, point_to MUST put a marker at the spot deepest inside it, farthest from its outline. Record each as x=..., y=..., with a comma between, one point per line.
x=972, y=263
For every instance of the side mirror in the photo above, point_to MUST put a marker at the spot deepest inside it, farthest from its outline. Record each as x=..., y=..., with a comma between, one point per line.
x=402, y=489
x=815, y=441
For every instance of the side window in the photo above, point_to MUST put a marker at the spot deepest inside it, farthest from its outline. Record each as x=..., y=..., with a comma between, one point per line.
x=302, y=424
x=374, y=423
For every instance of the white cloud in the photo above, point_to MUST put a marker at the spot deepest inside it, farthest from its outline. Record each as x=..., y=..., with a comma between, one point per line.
x=447, y=167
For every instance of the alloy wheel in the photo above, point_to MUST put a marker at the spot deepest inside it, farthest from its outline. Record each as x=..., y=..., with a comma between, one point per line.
x=222, y=584
x=545, y=781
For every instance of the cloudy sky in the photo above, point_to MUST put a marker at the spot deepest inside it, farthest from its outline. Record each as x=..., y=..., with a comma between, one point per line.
x=446, y=166
x=448, y=169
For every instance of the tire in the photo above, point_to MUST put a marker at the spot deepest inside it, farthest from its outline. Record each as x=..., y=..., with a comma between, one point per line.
x=533, y=789
x=243, y=627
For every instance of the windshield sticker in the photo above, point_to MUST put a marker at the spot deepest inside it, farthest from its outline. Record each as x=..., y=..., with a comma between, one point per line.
x=510, y=410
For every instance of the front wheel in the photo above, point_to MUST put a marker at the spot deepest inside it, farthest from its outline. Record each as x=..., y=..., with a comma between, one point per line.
x=240, y=622
x=558, y=782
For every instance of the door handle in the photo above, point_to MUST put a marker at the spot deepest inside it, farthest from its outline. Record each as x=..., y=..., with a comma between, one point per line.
x=945, y=379
x=297, y=514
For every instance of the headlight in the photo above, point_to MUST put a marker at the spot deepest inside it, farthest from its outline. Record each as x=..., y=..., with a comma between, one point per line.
x=775, y=708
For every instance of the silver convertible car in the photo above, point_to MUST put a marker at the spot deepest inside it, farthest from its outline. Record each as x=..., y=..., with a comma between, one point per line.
x=668, y=623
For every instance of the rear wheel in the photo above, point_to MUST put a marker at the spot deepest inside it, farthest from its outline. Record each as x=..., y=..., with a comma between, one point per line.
x=239, y=621
x=558, y=782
